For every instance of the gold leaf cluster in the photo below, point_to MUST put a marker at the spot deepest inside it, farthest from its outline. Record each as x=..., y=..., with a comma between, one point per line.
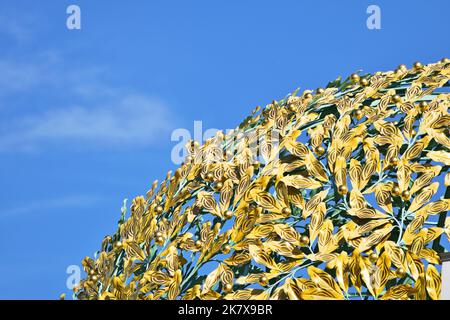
x=345, y=197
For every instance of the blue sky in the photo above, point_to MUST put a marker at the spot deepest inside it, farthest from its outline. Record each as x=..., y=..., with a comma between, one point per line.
x=86, y=115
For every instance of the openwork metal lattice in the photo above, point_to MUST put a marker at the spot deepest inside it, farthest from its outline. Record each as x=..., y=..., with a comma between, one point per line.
x=344, y=196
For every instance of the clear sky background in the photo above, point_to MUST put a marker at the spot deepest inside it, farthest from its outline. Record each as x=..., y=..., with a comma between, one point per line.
x=86, y=115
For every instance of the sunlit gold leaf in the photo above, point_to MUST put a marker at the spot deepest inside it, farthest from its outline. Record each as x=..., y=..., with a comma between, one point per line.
x=325, y=282
x=433, y=279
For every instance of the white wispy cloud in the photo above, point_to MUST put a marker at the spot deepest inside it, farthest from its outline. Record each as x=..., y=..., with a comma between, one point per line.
x=133, y=120
x=48, y=100
x=16, y=76
x=18, y=26
x=70, y=201
x=93, y=112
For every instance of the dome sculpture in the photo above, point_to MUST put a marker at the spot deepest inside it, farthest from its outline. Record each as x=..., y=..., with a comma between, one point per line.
x=340, y=193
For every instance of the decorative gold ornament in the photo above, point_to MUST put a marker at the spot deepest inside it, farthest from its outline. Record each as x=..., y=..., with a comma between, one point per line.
x=396, y=191
x=355, y=77
x=423, y=106
x=364, y=82
x=264, y=281
x=226, y=249
x=397, y=98
x=198, y=244
x=373, y=257
x=406, y=195
x=358, y=114
x=400, y=272
x=402, y=68
x=228, y=287
x=228, y=214
x=194, y=143
x=288, y=216
x=304, y=240
x=320, y=150
x=417, y=66
x=308, y=95
x=342, y=189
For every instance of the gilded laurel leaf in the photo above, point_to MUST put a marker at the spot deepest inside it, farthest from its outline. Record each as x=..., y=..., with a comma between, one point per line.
x=261, y=257
x=433, y=280
x=440, y=156
x=134, y=251
x=324, y=281
x=300, y=182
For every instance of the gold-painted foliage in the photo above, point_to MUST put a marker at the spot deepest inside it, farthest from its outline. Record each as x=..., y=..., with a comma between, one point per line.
x=339, y=194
